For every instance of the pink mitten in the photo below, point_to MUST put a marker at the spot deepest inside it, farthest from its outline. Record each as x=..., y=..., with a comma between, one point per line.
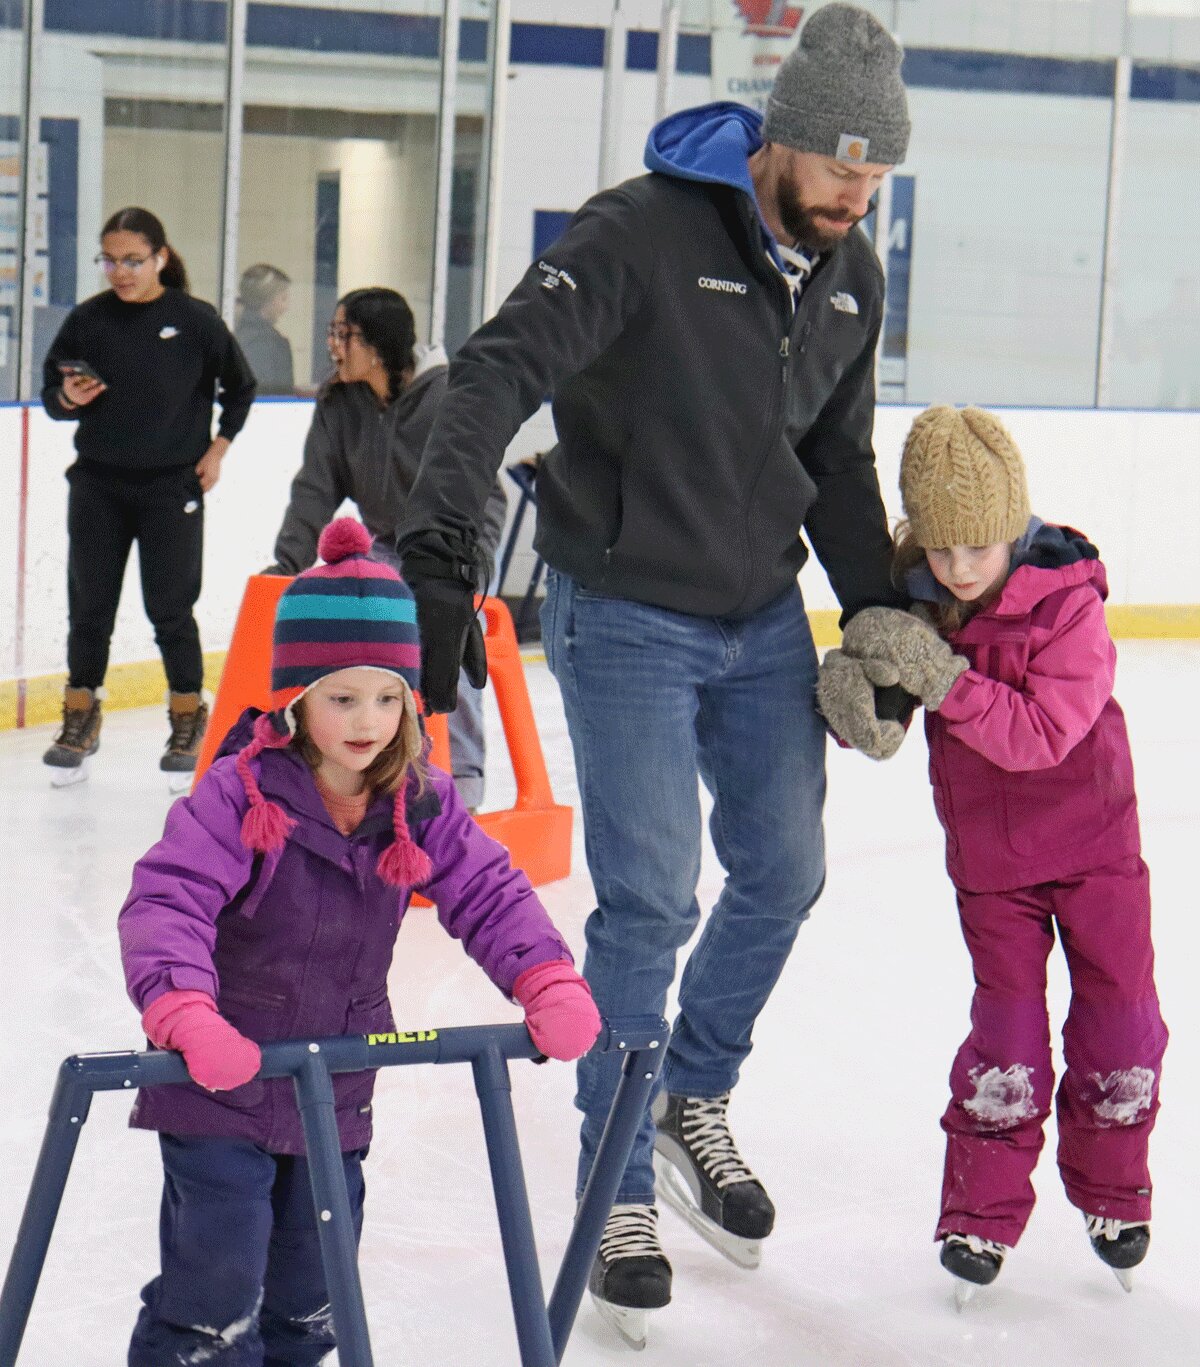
x=560, y=1015
x=217, y=1056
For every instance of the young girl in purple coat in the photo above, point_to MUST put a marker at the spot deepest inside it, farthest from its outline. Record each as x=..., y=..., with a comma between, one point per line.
x=269, y=910
x=1033, y=783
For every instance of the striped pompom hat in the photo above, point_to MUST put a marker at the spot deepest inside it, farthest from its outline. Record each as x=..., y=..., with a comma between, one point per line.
x=352, y=612
x=349, y=613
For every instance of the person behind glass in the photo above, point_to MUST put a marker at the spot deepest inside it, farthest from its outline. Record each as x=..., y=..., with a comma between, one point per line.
x=1033, y=782
x=365, y=443
x=269, y=909
x=138, y=367
x=264, y=294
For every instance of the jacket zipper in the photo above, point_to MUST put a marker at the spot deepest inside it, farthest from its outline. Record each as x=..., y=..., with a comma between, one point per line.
x=785, y=351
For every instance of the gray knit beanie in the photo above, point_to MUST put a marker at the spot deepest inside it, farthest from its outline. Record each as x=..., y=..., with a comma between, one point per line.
x=839, y=93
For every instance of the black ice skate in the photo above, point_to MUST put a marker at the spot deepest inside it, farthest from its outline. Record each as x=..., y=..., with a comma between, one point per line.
x=701, y=1176
x=1122, y=1244
x=77, y=740
x=188, y=714
x=631, y=1275
x=974, y=1262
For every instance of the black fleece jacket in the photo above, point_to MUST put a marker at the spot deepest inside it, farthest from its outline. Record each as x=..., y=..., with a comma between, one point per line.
x=702, y=424
x=164, y=364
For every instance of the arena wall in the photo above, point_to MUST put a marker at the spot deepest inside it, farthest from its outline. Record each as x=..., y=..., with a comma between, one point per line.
x=1127, y=478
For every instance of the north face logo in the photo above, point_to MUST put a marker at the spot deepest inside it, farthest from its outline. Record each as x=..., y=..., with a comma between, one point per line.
x=772, y=18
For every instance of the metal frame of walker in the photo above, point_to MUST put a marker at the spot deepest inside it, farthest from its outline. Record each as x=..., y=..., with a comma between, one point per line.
x=542, y=1327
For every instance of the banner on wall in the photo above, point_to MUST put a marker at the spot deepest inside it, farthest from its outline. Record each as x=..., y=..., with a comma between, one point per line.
x=893, y=350
x=10, y=172
x=750, y=38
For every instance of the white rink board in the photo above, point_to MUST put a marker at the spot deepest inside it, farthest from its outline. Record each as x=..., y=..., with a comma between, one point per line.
x=1127, y=479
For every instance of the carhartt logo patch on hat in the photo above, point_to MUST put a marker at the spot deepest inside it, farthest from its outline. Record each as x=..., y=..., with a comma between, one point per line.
x=852, y=147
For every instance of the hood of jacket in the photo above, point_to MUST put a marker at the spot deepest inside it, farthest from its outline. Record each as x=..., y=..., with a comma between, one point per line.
x=711, y=144
x=1045, y=559
x=427, y=358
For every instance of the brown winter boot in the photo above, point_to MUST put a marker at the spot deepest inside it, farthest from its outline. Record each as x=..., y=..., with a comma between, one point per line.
x=189, y=718
x=80, y=733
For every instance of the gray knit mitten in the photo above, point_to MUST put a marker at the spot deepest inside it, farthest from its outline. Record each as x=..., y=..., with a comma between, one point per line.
x=846, y=699
x=899, y=648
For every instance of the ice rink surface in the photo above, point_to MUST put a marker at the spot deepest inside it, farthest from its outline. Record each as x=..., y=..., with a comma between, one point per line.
x=837, y=1110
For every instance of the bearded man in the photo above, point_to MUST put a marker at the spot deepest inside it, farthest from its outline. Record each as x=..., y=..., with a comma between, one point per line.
x=707, y=333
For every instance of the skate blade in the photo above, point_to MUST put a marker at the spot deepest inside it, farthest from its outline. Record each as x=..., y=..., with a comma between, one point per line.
x=673, y=1188
x=630, y=1324
x=964, y=1293
x=1125, y=1276
x=67, y=778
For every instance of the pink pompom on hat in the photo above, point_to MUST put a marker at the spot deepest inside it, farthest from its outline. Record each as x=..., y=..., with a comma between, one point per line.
x=349, y=613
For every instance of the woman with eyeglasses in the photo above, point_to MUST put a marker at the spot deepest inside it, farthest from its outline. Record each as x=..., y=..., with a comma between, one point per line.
x=139, y=367
x=365, y=443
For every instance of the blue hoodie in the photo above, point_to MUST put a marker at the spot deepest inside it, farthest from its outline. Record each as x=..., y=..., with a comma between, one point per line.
x=711, y=143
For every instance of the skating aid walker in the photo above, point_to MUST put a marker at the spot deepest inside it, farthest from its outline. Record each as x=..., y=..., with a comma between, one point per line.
x=542, y=1327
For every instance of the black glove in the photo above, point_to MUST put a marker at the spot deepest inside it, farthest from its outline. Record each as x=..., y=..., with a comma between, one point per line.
x=451, y=637
x=894, y=704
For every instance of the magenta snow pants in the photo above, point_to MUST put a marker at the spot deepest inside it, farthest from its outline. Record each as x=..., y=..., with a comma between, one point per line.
x=1002, y=1079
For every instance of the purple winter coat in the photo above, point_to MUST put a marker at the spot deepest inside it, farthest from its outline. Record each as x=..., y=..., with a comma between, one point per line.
x=1028, y=753
x=299, y=942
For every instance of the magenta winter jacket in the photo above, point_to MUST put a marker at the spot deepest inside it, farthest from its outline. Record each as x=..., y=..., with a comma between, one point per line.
x=1028, y=754
x=299, y=942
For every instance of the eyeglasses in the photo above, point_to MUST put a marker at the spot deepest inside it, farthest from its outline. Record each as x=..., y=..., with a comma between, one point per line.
x=342, y=334
x=108, y=264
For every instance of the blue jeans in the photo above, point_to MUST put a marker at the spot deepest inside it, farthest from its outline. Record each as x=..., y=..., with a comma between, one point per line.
x=242, y=1284
x=655, y=701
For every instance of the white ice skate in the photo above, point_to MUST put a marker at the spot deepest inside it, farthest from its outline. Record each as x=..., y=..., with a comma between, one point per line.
x=700, y=1174
x=78, y=738
x=188, y=713
x=1119, y=1244
x=68, y=777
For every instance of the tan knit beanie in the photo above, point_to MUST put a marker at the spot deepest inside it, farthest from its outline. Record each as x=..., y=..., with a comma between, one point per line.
x=962, y=480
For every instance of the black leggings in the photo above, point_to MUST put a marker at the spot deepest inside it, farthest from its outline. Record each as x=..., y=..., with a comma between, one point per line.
x=163, y=511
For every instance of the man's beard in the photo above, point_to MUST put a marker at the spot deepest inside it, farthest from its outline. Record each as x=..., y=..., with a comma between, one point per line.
x=801, y=223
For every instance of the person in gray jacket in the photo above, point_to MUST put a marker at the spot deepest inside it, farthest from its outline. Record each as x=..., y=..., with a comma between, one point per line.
x=368, y=432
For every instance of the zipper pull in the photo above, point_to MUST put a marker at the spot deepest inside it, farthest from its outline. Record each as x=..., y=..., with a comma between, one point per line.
x=783, y=348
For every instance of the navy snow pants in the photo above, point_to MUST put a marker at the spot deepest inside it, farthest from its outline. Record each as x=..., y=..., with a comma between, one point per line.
x=242, y=1283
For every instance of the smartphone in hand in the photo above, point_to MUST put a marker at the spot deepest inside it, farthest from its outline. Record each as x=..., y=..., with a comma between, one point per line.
x=80, y=369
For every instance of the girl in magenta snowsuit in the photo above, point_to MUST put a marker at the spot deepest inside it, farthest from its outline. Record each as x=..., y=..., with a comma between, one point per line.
x=269, y=910
x=1033, y=783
